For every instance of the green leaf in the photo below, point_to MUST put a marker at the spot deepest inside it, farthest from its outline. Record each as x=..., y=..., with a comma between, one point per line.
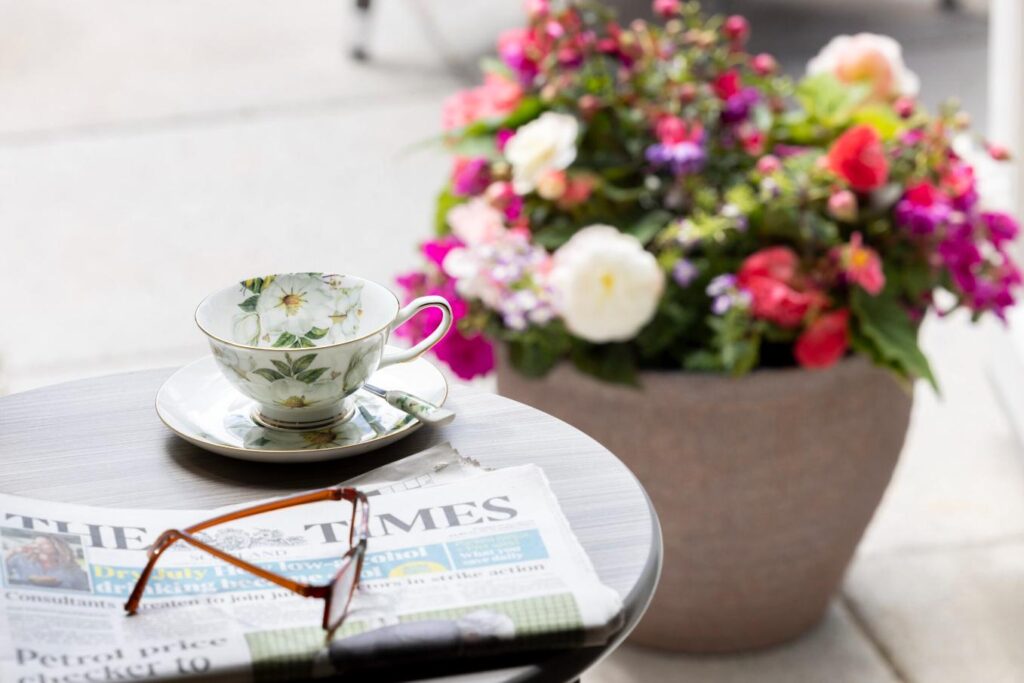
x=255, y=284
x=303, y=362
x=287, y=339
x=445, y=201
x=529, y=108
x=283, y=368
x=310, y=376
x=607, y=362
x=649, y=225
x=703, y=361
x=249, y=305
x=304, y=343
x=268, y=374
x=532, y=360
x=829, y=100
x=885, y=332
x=882, y=118
x=316, y=333
x=475, y=145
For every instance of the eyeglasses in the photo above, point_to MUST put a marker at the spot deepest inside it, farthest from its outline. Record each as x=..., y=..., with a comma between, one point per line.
x=337, y=594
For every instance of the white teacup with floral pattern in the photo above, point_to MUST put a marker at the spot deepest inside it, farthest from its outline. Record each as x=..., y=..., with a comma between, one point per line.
x=300, y=343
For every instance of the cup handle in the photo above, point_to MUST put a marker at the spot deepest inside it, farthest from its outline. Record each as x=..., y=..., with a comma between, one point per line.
x=414, y=307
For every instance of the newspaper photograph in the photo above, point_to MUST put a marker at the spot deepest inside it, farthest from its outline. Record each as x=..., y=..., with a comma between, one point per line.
x=461, y=561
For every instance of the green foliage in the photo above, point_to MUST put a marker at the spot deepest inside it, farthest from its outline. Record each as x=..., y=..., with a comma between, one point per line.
x=536, y=350
x=615, y=363
x=883, y=330
x=445, y=201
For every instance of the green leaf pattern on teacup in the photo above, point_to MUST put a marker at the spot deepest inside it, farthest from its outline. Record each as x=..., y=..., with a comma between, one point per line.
x=298, y=368
x=297, y=310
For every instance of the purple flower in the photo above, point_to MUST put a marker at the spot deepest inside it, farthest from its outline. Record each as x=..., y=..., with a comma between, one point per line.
x=721, y=284
x=737, y=107
x=684, y=272
x=725, y=294
x=682, y=157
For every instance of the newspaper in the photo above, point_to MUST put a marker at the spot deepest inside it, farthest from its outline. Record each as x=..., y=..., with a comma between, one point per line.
x=461, y=561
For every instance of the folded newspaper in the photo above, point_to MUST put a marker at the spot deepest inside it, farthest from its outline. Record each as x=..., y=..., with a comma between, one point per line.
x=461, y=561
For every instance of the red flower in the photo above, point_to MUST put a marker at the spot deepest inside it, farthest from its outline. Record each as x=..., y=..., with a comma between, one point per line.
x=923, y=194
x=727, y=84
x=769, y=277
x=825, y=341
x=857, y=156
x=778, y=263
x=779, y=303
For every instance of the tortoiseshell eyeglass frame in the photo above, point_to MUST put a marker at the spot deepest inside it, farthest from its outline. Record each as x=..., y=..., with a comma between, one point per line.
x=358, y=534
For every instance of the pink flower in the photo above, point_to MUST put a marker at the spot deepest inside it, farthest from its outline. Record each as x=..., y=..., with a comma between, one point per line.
x=870, y=59
x=577, y=191
x=520, y=51
x=727, y=84
x=476, y=222
x=435, y=250
x=552, y=185
x=768, y=164
x=470, y=176
x=538, y=8
x=764, y=64
x=842, y=206
x=736, y=29
x=467, y=356
x=672, y=130
x=502, y=137
x=824, y=341
x=496, y=98
x=666, y=8
x=862, y=265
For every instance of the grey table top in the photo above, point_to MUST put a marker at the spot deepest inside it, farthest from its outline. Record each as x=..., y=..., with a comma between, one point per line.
x=99, y=442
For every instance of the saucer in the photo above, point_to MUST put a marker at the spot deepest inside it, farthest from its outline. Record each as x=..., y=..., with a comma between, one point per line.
x=199, y=404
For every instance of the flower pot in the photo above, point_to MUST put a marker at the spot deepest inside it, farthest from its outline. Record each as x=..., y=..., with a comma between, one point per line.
x=764, y=486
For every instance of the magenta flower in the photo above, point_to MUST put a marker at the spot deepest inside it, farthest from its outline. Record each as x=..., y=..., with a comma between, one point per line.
x=470, y=176
x=436, y=250
x=922, y=209
x=1001, y=227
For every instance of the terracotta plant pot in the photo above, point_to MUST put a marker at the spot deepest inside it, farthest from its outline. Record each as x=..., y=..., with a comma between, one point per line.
x=764, y=486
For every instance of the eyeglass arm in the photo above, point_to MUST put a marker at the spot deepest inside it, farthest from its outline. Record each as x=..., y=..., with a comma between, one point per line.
x=167, y=538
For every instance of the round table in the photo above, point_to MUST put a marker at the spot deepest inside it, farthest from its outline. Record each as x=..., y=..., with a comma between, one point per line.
x=99, y=442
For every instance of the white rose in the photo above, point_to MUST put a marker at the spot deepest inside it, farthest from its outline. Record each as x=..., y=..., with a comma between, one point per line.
x=870, y=59
x=548, y=143
x=606, y=285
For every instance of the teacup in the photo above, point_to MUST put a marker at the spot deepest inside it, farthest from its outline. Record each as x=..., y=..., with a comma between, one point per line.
x=300, y=343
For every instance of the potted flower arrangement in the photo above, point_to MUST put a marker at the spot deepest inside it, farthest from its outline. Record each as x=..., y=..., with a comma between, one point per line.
x=719, y=273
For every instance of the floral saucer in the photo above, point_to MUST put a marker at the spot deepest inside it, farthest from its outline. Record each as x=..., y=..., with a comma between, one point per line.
x=200, y=405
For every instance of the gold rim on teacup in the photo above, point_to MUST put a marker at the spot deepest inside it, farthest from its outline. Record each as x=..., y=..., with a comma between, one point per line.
x=299, y=344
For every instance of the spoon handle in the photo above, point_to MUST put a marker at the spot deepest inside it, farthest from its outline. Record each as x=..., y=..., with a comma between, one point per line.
x=422, y=410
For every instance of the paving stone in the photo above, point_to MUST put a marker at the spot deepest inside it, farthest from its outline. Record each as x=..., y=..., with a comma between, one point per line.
x=117, y=238
x=836, y=652
x=84, y=65
x=961, y=473
x=947, y=616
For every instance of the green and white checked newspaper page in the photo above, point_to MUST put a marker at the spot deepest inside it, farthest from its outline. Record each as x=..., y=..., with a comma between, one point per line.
x=461, y=561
